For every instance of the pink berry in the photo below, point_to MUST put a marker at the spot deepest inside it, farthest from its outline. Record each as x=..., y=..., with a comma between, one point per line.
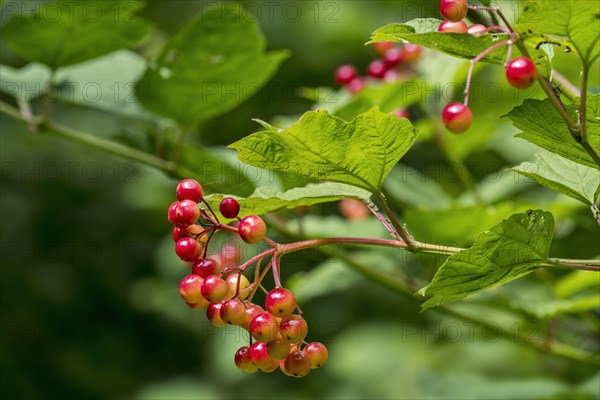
x=476, y=29
x=252, y=229
x=457, y=117
x=171, y=214
x=383, y=47
x=264, y=328
x=453, y=27
x=345, y=74
x=377, y=69
x=356, y=85
x=293, y=328
x=411, y=52
x=242, y=362
x=189, y=289
x=317, y=354
x=214, y=288
x=229, y=207
x=259, y=356
x=206, y=267
x=453, y=10
x=233, y=312
x=186, y=213
x=280, y=302
x=297, y=364
x=188, y=249
x=213, y=314
x=252, y=310
x=521, y=73
x=189, y=189
x=401, y=113
x=392, y=57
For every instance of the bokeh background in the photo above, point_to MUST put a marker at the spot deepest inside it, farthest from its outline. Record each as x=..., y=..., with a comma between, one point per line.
x=89, y=281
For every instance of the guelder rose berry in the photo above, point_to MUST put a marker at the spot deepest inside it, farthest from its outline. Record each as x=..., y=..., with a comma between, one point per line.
x=252, y=229
x=279, y=348
x=453, y=10
x=189, y=289
x=521, y=73
x=411, y=52
x=345, y=74
x=476, y=29
x=297, y=364
x=213, y=314
x=232, y=283
x=317, y=354
x=188, y=249
x=293, y=328
x=392, y=57
x=206, y=267
x=259, y=356
x=377, y=69
x=214, y=288
x=189, y=189
x=186, y=213
x=383, y=47
x=233, y=312
x=356, y=85
x=242, y=362
x=280, y=302
x=229, y=207
x=453, y=27
x=264, y=328
x=252, y=310
x=457, y=117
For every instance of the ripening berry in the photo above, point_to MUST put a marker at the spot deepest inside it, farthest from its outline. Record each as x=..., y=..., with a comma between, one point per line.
x=213, y=314
x=233, y=312
x=317, y=354
x=252, y=229
x=392, y=75
x=453, y=27
x=345, y=74
x=214, y=288
x=297, y=364
x=411, y=52
x=274, y=365
x=206, y=267
x=476, y=29
x=171, y=212
x=383, y=47
x=453, y=10
x=186, y=213
x=189, y=189
x=377, y=69
x=278, y=348
x=259, y=356
x=356, y=85
x=264, y=328
x=521, y=73
x=188, y=249
x=242, y=362
x=400, y=113
x=201, y=305
x=392, y=57
x=189, y=289
x=232, y=282
x=280, y=302
x=229, y=207
x=293, y=328
x=457, y=117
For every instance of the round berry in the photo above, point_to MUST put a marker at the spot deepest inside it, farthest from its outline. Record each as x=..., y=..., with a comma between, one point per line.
x=188, y=249
x=521, y=73
x=453, y=10
x=453, y=27
x=383, y=47
x=274, y=365
x=476, y=29
x=214, y=288
x=264, y=328
x=206, y=267
x=189, y=289
x=186, y=213
x=280, y=302
x=252, y=310
x=279, y=348
x=293, y=328
x=252, y=229
x=345, y=74
x=229, y=207
x=259, y=356
x=392, y=75
x=297, y=364
x=392, y=57
x=213, y=314
x=171, y=214
x=242, y=362
x=317, y=354
x=411, y=52
x=400, y=113
x=356, y=85
x=377, y=69
x=233, y=312
x=189, y=189
x=457, y=117
x=232, y=282
x=201, y=305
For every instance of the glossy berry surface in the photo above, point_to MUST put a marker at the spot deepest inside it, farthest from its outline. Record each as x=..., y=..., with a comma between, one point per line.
x=345, y=74
x=317, y=354
x=356, y=85
x=229, y=207
x=188, y=249
x=232, y=283
x=453, y=27
x=252, y=310
x=280, y=302
x=293, y=328
x=171, y=213
x=521, y=73
x=214, y=288
x=189, y=189
x=233, y=312
x=259, y=356
x=297, y=364
x=189, y=289
x=186, y=213
x=206, y=267
x=252, y=229
x=242, y=362
x=279, y=348
x=213, y=314
x=476, y=29
x=264, y=328
x=457, y=117
x=453, y=10
x=377, y=69
x=393, y=57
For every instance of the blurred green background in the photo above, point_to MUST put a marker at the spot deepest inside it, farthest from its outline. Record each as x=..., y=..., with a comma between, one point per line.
x=89, y=281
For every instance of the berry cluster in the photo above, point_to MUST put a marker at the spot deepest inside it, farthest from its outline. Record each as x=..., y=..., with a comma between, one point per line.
x=276, y=333
x=520, y=72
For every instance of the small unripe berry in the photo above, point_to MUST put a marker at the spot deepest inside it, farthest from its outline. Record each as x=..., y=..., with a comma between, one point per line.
x=356, y=85
x=214, y=288
x=457, y=117
x=229, y=207
x=188, y=249
x=411, y=52
x=453, y=10
x=297, y=364
x=317, y=354
x=242, y=361
x=377, y=69
x=280, y=302
x=453, y=27
x=259, y=356
x=383, y=47
x=232, y=282
x=186, y=213
x=345, y=74
x=279, y=348
x=521, y=73
x=293, y=328
x=189, y=189
x=233, y=312
x=476, y=29
x=213, y=314
x=189, y=289
x=206, y=267
x=264, y=328
x=252, y=229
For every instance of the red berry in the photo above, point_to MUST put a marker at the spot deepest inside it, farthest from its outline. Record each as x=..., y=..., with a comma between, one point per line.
x=214, y=288
x=317, y=354
x=400, y=113
x=457, y=117
x=186, y=213
x=242, y=361
x=252, y=229
x=293, y=328
x=259, y=356
x=521, y=73
x=188, y=249
x=171, y=216
x=278, y=348
x=280, y=302
x=356, y=85
x=189, y=189
x=383, y=47
x=345, y=74
x=453, y=27
x=392, y=57
x=233, y=312
x=232, y=283
x=297, y=364
x=201, y=305
x=264, y=328
x=206, y=267
x=377, y=69
x=213, y=314
x=453, y=10
x=411, y=52
x=189, y=289
x=391, y=75
x=476, y=29
x=229, y=207
x=252, y=310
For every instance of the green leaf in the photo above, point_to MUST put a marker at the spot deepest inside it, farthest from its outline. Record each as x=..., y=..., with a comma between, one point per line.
x=26, y=83
x=564, y=176
x=408, y=185
x=511, y=249
x=68, y=32
x=214, y=63
x=576, y=282
x=360, y=152
x=269, y=199
x=577, y=20
x=542, y=125
x=548, y=309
